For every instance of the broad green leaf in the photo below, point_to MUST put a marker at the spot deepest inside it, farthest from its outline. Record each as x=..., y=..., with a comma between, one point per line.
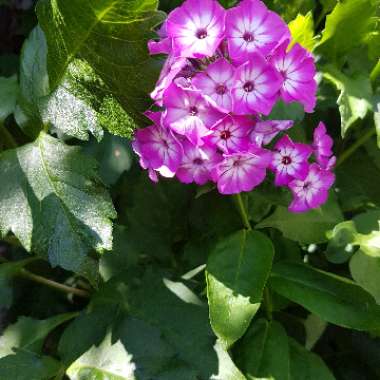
x=28, y=333
x=355, y=96
x=28, y=366
x=108, y=361
x=335, y=299
x=314, y=328
x=34, y=82
x=111, y=35
x=264, y=351
x=377, y=122
x=292, y=111
x=315, y=223
x=7, y=272
x=349, y=25
x=302, y=30
x=82, y=104
x=8, y=96
x=289, y=9
x=236, y=273
x=53, y=202
x=305, y=365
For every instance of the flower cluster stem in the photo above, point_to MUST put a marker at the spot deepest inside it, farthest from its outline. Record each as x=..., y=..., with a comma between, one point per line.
x=243, y=211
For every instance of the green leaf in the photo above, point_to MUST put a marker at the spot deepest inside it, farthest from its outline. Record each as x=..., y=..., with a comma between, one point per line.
x=34, y=82
x=349, y=25
x=377, y=122
x=111, y=35
x=264, y=351
x=289, y=9
x=108, y=361
x=314, y=329
x=7, y=272
x=302, y=30
x=282, y=111
x=53, y=202
x=227, y=368
x=237, y=271
x=355, y=96
x=315, y=222
x=8, y=96
x=335, y=299
x=28, y=366
x=28, y=333
x=305, y=365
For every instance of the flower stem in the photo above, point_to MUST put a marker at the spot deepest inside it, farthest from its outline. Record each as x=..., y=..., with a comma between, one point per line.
x=267, y=301
x=375, y=73
x=354, y=147
x=242, y=211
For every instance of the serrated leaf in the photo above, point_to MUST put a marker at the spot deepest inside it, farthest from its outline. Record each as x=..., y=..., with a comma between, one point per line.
x=8, y=96
x=335, y=299
x=315, y=222
x=305, y=365
x=355, y=98
x=28, y=366
x=302, y=31
x=236, y=273
x=53, y=202
x=353, y=18
x=28, y=333
x=108, y=361
x=111, y=36
x=264, y=351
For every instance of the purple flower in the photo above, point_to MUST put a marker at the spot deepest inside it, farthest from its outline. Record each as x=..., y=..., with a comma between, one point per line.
x=173, y=66
x=290, y=161
x=322, y=145
x=255, y=87
x=164, y=45
x=216, y=84
x=297, y=70
x=265, y=131
x=197, y=163
x=196, y=28
x=231, y=134
x=250, y=28
x=241, y=171
x=158, y=149
x=189, y=114
x=311, y=192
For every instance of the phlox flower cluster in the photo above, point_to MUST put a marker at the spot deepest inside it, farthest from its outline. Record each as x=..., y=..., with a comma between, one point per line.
x=224, y=72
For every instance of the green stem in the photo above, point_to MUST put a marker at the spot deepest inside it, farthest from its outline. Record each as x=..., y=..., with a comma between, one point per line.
x=268, y=303
x=61, y=374
x=354, y=147
x=375, y=73
x=242, y=211
x=8, y=139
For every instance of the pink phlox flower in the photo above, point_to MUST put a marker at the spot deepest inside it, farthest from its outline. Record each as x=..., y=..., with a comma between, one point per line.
x=297, y=70
x=231, y=134
x=172, y=67
x=164, y=45
x=155, y=116
x=251, y=27
x=255, y=87
x=216, y=84
x=197, y=163
x=189, y=114
x=158, y=149
x=241, y=171
x=196, y=28
x=290, y=160
x=322, y=145
x=265, y=131
x=311, y=192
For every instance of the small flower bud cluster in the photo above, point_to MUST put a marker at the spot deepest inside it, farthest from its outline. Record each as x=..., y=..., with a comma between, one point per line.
x=224, y=72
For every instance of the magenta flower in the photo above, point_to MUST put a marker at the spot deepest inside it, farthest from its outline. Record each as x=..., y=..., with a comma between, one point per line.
x=189, y=114
x=158, y=149
x=196, y=28
x=164, y=45
x=251, y=27
x=197, y=164
x=311, y=192
x=265, y=131
x=255, y=87
x=241, y=171
x=216, y=84
x=290, y=161
x=231, y=134
x=297, y=70
x=322, y=145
